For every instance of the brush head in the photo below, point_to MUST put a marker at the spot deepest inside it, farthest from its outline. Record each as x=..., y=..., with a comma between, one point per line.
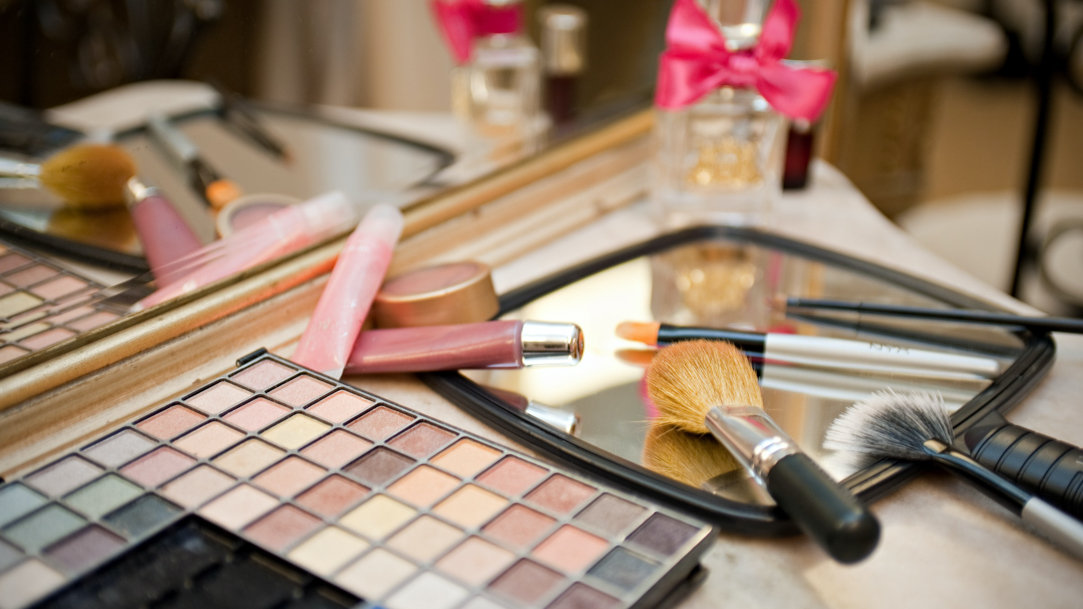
x=89, y=175
x=890, y=424
x=687, y=379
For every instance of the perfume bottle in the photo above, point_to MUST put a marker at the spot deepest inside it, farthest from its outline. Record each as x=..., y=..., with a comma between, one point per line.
x=496, y=88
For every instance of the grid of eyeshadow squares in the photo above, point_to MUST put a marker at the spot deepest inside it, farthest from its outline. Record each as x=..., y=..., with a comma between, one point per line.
x=42, y=304
x=387, y=504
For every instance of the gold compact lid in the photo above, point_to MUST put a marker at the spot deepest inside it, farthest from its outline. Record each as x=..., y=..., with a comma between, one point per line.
x=451, y=293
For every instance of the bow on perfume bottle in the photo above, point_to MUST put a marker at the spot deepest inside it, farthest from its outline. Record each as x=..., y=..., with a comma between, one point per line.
x=463, y=21
x=696, y=62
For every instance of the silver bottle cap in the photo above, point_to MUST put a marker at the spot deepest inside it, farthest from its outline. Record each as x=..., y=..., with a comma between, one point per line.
x=562, y=38
x=551, y=344
x=564, y=420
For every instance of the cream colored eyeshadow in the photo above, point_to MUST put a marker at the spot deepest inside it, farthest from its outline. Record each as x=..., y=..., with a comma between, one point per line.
x=375, y=574
x=470, y=506
x=466, y=458
x=425, y=539
x=248, y=458
x=377, y=517
x=326, y=551
x=296, y=431
x=17, y=302
x=238, y=507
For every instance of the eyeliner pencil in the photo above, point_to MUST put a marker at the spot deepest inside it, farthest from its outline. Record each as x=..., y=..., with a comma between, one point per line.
x=820, y=350
x=1051, y=324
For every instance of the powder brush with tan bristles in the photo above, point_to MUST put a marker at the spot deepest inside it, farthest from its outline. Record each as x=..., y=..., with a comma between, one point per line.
x=85, y=176
x=693, y=459
x=710, y=386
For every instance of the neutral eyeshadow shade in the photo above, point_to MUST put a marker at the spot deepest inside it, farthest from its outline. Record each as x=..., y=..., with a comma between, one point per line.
x=143, y=515
x=256, y=414
x=238, y=507
x=156, y=467
x=380, y=423
x=375, y=574
x=102, y=496
x=12, y=260
x=282, y=527
x=8, y=556
x=63, y=476
x=623, y=569
x=512, y=476
x=427, y=590
x=422, y=440
x=16, y=501
x=466, y=457
x=93, y=321
x=519, y=526
x=16, y=303
x=560, y=494
x=209, y=440
x=570, y=549
x=527, y=582
x=31, y=275
x=43, y=527
x=171, y=422
x=470, y=506
x=339, y=406
x=581, y=596
x=662, y=534
x=84, y=549
x=300, y=391
x=11, y=352
x=327, y=550
x=119, y=448
x=262, y=375
x=295, y=431
x=423, y=486
x=197, y=486
x=425, y=538
x=47, y=338
x=332, y=495
x=336, y=448
x=59, y=287
x=377, y=517
x=289, y=476
x=481, y=603
x=27, y=582
x=249, y=457
x=611, y=514
x=379, y=466
x=475, y=561
x=218, y=398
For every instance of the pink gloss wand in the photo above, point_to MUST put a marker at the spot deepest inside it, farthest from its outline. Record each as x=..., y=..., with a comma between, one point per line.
x=333, y=329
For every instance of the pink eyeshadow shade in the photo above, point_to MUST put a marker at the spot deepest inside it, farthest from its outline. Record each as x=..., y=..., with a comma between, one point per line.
x=475, y=561
x=11, y=352
x=12, y=261
x=423, y=486
x=336, y=448
x=96, y=320
x=59, y=287
x=170, y=422
x=300, y=390
x=380, y=423
x=422, y=440
x=238, y=507
x=332, y=496
x=570, y=549
x=512, y=476
x=197, y=486
x=31, y=275
x=71, y=314
x=209, y=440
x=263, y=375
x=48, y=338
x=218, y=397
x=339, y=406
x=282, y=527
x=560, y=494
x=519, y=526
x=527, y=582
x=289, y=476
x=156, y=467
x=257, y=414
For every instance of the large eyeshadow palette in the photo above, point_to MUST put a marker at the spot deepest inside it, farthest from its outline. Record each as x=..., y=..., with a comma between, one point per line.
x=339, y=494
x=42, y=303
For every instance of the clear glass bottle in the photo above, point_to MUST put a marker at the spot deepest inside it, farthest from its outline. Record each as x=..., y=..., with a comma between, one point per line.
x=498, y=91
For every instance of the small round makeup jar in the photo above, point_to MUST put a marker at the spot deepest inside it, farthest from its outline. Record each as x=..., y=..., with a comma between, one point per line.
x=250, y=209
x=451, y=293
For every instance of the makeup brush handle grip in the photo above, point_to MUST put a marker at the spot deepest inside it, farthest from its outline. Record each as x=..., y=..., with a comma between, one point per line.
x=1049, y=468
x=1056, y=526
x=823, y=509
x=165, y=235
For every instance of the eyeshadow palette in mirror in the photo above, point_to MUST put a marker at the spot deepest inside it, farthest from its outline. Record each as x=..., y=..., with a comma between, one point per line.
x=810, y=367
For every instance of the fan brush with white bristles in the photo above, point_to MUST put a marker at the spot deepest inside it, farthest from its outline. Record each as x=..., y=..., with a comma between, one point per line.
x=917, y=427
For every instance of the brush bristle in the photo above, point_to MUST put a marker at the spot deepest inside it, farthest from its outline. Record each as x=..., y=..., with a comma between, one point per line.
x=687, y=379
x=690, y=458
x=89, y=175
x=890, y=424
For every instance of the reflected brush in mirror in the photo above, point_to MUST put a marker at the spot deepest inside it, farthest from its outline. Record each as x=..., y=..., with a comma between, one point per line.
x=215, y=190
x=693, y=459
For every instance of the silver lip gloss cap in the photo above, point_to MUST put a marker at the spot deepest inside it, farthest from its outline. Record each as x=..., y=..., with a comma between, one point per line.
x=551, y=343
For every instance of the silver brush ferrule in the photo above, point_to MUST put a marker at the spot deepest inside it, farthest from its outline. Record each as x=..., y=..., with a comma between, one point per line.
x=752, y=436
x=550, y=343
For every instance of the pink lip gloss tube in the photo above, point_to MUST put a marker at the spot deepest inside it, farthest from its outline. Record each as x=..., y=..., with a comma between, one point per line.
x=487, y=344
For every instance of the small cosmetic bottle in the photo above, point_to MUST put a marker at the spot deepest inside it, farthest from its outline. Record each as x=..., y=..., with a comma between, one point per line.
x=563, y=33
x=497, y=90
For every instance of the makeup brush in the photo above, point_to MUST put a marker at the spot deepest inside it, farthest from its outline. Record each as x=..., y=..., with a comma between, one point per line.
x=702, y=386
x=690, y=458
x=916, y=427
x=85, y=176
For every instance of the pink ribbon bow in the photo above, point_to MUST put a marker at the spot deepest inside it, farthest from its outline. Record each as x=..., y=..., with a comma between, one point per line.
x=463, y=21
x=697, y=62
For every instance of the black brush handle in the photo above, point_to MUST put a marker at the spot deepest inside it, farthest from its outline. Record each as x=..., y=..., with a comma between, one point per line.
x=1049, y=468
x=824, y=510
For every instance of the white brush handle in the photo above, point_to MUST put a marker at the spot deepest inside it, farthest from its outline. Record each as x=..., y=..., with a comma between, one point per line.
x=1054, y=525
x=825, y=351
x=19, y=169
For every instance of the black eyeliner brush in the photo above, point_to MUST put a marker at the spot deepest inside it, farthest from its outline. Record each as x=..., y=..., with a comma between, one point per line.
x=916, y=427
